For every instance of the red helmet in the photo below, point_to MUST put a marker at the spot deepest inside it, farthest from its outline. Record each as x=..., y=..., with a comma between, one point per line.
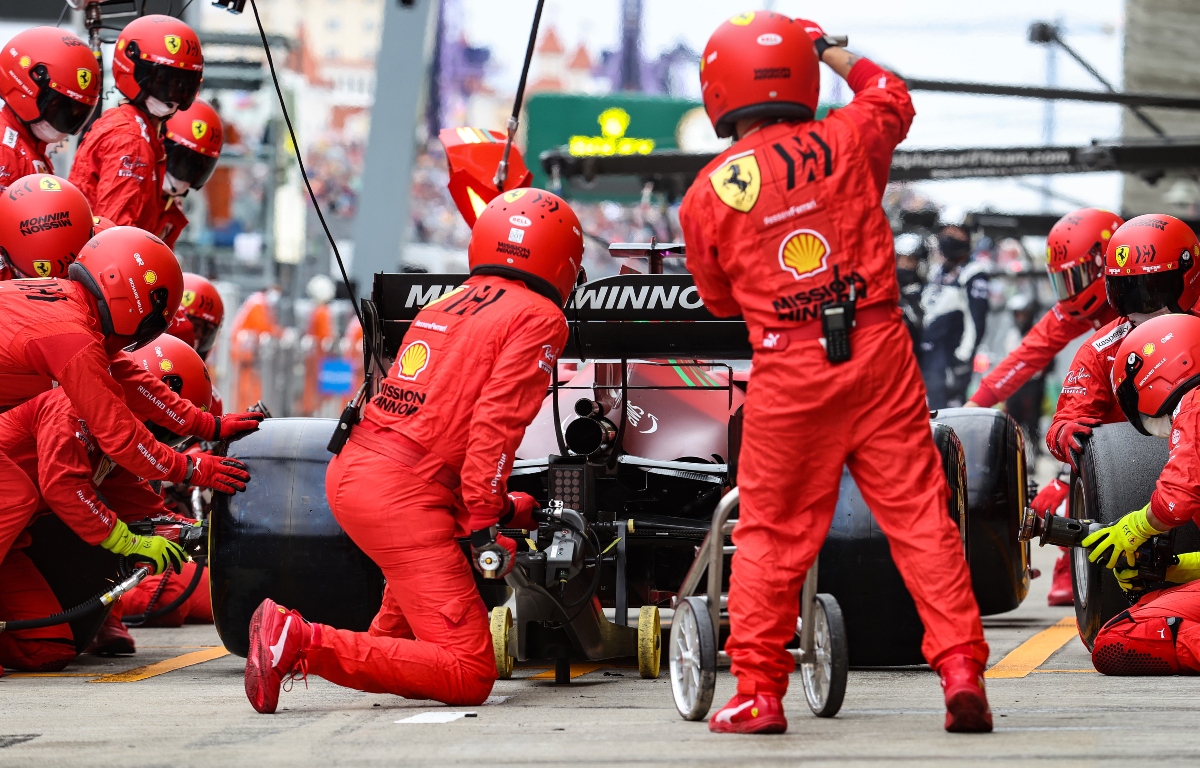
x=1157, y=363
x=204, y=309
x=49, y=74
x=193, y=143
x=1075, y=259
x=1150, y=264
x=158, y=56
x=530, y=235
x=759, y=64
x=101, y=223
x=44, y=223
x=178, y=366
x=136, y=281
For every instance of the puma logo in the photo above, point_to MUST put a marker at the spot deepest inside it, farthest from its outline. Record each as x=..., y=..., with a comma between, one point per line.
x=727, y=715
x=277, y=649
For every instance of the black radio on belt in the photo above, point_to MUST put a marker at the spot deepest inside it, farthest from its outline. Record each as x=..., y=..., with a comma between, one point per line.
x=350, y=416
x=837, y=318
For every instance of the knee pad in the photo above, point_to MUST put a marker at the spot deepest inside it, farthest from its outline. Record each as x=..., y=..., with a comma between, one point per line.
x=1144, y=647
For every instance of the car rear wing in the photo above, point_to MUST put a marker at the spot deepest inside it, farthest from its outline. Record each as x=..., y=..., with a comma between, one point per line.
x=621, y=317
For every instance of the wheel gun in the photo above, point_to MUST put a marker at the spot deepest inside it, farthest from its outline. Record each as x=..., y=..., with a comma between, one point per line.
x=1151, y=560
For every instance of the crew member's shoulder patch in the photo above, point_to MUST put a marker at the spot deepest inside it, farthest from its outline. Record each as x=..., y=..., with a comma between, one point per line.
x=1113, y=336
x=10, y=137
x=738, y=181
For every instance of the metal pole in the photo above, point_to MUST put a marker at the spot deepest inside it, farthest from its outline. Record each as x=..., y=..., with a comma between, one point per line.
x=514, y=119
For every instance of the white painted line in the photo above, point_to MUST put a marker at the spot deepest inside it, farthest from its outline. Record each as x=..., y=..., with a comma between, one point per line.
x=436, y=717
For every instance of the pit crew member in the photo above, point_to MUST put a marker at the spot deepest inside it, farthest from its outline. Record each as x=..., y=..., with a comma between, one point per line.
x=44, y=223
x=1149, y=270
x=434, y=451
x=786, y=229
x=193, y=141
x=121, y=164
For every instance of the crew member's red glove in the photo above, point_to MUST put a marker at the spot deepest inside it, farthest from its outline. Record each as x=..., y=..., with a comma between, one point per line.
x=1070, y=438
x=492, y=554
x=220, y=474
x=811, y=27
x=521, y=507
x=209, y=427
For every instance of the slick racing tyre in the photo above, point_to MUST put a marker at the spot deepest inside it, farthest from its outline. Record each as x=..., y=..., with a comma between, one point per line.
x=996, y=491
x=1117, y=474
x=693, y=658
x=278, y=538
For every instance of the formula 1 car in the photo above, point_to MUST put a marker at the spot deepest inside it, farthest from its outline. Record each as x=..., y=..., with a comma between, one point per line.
x=628, y=457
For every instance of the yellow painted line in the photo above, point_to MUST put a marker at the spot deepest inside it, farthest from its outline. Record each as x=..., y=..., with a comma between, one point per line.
x=1032, y=653
x=15, y=675
x=162, y=667
x=576, y=671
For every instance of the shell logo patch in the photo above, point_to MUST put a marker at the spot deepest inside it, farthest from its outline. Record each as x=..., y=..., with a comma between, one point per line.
x=513, y=195
x=1122, y=255
x=50, y=185
x=413, y=360
x=84, y=78
x=803, y=253
x=742, y=19
x=188, y=298
x=199, y=128
x=173, y=43
x=1147, y=350
x=165, y=366
x=25, y=62
x=738, y=182
x=42, y=268
x=1105, y=234
x=150, y=277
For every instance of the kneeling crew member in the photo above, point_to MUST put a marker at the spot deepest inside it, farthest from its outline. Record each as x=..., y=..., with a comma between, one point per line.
x=1149, y=270
x=429, y=464
x=55, y=449
x=1156, y=378
x=786, y=228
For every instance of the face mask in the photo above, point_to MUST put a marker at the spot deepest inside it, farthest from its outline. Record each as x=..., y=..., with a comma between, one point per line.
x=46, y=132
x=159, y=108
x=1137, y=318
x=174, y=187
x=1159, y=426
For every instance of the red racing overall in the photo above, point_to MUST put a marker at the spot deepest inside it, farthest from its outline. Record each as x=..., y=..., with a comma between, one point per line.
x=1049, y=336
x=119, y=168
x=785, y=220
x=470, y=376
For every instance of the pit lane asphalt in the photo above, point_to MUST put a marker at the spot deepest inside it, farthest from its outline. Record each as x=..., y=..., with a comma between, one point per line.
x=1061, y=713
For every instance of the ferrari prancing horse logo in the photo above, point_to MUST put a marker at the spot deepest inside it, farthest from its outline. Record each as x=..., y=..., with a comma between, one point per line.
x=199, y=128
x=84, y=77
x=173, y=43
x=738, y=182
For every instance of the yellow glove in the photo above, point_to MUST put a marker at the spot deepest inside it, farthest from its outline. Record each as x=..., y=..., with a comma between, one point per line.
x=1188, y=569
x=1125, y=577
x=1121, y=538
x=160, y=553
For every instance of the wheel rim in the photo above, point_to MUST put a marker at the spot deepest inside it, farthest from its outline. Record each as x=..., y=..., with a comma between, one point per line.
x=817, y=673
x=685, y=657
x=1082, y=571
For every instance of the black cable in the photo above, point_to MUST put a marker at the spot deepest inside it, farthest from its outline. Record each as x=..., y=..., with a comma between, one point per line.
x=62, y=14
x=138, y=620
x=308, y=185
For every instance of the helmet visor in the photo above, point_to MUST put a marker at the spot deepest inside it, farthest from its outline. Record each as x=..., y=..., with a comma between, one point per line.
x=62, y=112
x=153, y=324
x=1144, y=294
x=1127, y=394
x=189, y=165
x=206, y=335
x=170, y=85
x=1071, y=281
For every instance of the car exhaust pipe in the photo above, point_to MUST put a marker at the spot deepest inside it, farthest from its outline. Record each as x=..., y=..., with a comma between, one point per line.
x=591, y=433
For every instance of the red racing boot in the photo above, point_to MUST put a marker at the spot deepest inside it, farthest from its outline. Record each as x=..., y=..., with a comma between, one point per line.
x=112, y=639
x=278, y=638
x=760, y=713
x=967, y=708
x=1061, y=590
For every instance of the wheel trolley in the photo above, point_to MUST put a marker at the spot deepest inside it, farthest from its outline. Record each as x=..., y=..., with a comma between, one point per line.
x=694, y=652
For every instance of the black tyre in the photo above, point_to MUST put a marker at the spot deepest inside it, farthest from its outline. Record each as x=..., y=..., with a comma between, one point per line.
x=278, y=538
x=824, y=678
x=1117, y=474
x=693, y=658
x=996, y=495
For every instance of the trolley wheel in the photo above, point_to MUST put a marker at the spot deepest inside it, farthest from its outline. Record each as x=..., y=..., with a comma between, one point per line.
x=649, y=642
x=824, y=676
x=693, y=658
x=501, y=626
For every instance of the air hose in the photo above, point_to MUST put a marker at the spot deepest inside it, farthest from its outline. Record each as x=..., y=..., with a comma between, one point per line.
x=138, y=620
x=100, y=601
